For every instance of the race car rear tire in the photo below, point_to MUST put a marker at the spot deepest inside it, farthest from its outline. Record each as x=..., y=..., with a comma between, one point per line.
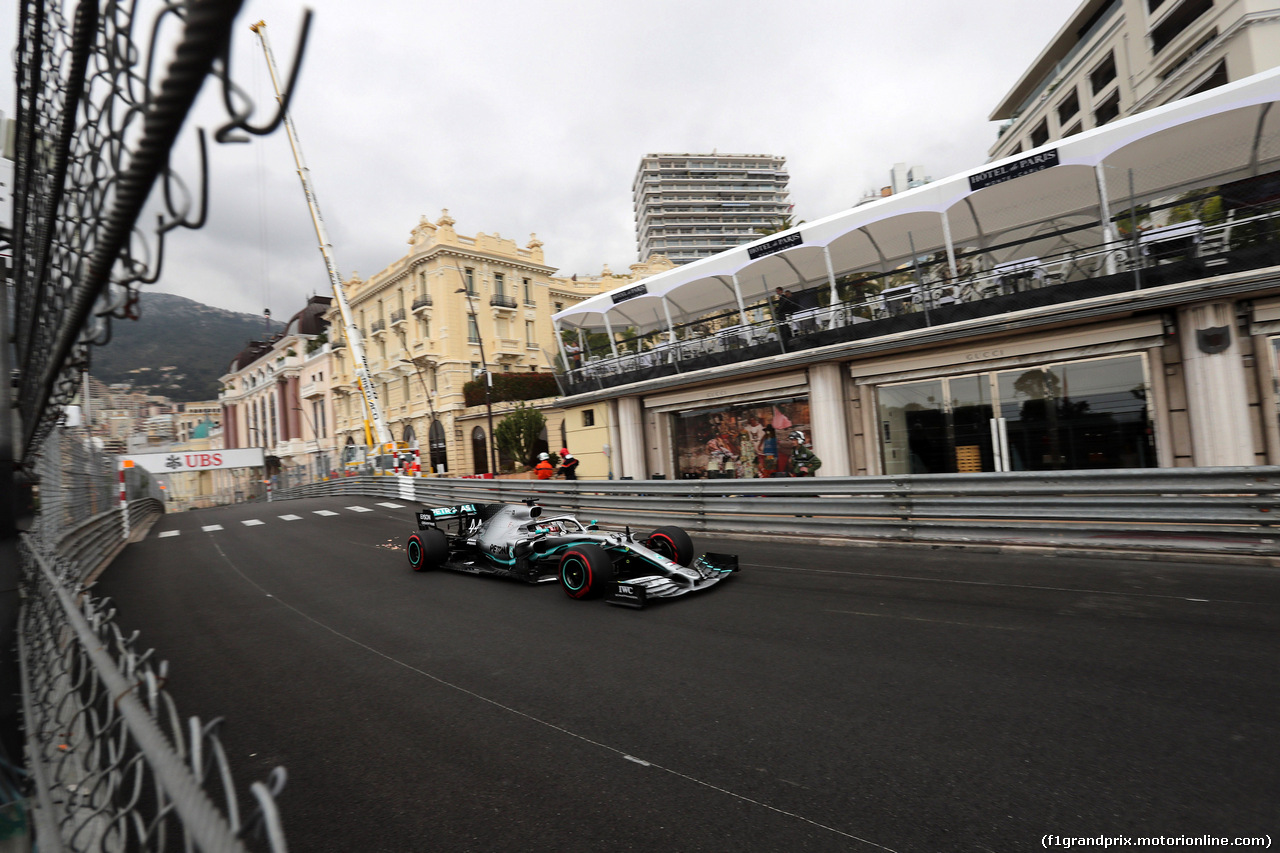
x=672, y=543
x=427, y=549
x=585, y=571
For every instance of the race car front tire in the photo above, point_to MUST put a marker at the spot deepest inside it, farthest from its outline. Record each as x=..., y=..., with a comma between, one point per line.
x=427, y=549
x=672, y=543
x=585, y=571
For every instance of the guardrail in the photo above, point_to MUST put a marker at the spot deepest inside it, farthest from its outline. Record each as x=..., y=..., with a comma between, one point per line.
x=1218, y=511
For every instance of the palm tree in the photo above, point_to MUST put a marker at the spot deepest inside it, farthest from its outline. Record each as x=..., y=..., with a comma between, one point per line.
x=779, y=224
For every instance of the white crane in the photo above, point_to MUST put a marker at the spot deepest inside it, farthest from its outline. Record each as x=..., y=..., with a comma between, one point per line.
x=355, y=341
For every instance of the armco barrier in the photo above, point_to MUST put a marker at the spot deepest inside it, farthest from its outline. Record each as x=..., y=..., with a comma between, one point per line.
x=1219, y=511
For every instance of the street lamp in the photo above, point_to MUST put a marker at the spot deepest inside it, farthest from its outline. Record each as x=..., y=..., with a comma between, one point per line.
x=315, y=437
x=426, y=392
x=471, y=309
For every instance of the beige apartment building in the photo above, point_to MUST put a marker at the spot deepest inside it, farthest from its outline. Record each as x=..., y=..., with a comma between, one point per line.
x=1114, y=58
x=451, y=308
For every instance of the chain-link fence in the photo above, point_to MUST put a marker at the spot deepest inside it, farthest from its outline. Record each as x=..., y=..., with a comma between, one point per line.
x=103, y=89
x=111, y=765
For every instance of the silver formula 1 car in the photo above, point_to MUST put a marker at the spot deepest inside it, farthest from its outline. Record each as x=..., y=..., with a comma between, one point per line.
x=518, y=541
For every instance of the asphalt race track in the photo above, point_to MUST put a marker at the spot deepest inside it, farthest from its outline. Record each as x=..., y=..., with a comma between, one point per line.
x=824, y=699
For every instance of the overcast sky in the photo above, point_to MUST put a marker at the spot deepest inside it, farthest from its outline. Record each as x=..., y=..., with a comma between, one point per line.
x=532, y=117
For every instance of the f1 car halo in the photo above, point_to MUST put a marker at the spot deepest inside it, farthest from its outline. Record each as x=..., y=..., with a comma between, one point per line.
x=517, y=541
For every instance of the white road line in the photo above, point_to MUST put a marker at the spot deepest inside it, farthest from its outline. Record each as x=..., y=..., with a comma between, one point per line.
x=390, y=505
x=166, y=533
x=537, y=720
x=935, y=621
x=324, y=512
x=209, y=528
x=359, y=509
x=252, y=522
x=291, y=518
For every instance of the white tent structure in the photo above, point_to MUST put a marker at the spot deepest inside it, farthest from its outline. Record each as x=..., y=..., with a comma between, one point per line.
x=1065, y=195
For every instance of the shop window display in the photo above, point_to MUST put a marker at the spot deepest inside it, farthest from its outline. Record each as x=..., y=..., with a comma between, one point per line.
x=1082, y=414
x=739, y=441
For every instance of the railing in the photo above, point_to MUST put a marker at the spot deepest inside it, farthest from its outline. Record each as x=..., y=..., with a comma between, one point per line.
x=1209, y=512
x=397, y=316
x=422, y=302
x=500, y=301
x=377, y=326
x=875, y=305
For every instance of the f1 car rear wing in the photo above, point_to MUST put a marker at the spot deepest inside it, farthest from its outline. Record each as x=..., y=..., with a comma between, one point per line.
x=430, y=517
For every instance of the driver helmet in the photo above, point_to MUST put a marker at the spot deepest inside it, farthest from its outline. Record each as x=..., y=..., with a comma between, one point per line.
x=542, y=457
x=797, y=436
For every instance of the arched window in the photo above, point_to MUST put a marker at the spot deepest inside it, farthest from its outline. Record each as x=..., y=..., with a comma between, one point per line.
x=410, y=437
x=479, y=451
x=541, y=446
x=506, y=462
x=439, y=452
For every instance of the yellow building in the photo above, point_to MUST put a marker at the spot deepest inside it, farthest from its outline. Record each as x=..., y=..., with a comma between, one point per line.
x=426, y=320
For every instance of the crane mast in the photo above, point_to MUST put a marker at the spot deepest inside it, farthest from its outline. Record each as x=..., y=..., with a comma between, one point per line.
x=355, y=341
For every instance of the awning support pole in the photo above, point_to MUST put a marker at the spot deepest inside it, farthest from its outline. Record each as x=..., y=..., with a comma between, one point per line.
x=671, y=327
x=613, y=345
x=676, y=355
x=831, y=280
x=742, y=307
x=1104, y=206
x=951, y=249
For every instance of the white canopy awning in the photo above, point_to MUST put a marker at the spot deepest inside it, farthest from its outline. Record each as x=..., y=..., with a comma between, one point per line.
x=1225, y=134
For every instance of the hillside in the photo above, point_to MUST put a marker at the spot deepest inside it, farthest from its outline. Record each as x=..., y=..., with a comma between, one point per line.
x=179, y=348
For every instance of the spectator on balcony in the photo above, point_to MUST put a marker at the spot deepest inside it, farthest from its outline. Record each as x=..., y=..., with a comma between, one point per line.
x=784, y=305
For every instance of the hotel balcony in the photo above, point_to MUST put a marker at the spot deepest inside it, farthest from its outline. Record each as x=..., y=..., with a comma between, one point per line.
x=378, y=327
x=502, y=302
x=508, y=347
x=397, y=316
x=421, y=303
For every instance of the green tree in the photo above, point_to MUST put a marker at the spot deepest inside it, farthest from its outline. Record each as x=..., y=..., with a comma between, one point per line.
x=519, y=432
x=778, y=225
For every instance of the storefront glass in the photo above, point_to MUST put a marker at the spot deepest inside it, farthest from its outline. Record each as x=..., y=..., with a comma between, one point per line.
x=739, y=441
x=1083, y=414
x=1275, y=371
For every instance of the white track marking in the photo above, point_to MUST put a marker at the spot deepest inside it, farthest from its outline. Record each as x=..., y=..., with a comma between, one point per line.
x=537, y=720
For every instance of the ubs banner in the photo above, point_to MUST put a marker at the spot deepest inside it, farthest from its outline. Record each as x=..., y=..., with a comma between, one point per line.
x=183, y=461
